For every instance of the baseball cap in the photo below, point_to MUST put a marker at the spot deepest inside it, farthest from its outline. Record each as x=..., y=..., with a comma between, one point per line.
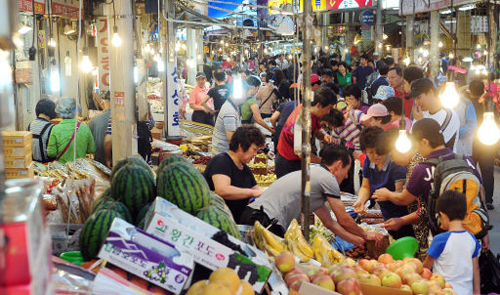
x=420, y=86
x=376, y=110
x=200, y=74
x=384, y=92
x=429, y=129
x=314, y=78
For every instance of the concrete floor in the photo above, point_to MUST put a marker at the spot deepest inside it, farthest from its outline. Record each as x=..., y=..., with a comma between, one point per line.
x=495, y=215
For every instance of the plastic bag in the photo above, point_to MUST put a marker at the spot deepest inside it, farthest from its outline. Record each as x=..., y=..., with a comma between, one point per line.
x=489, y=266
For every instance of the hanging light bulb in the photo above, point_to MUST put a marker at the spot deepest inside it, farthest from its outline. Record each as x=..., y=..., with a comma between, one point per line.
x=238, y=88
x=451, y=55
x=450, y=98
x=407, y=61
x=52, y=42
x=485, y=52
x=55, y=82
x=488, y=132
x=116, y=40
x=421, y=50
x=440, y=44
x=177, y=46
x=478, y=46
x=403, y=143
x=86, y=64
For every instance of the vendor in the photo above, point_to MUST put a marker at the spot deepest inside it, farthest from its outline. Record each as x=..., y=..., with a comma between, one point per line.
x=63, y=135
x=380, y=172
x=200, y=113
x=228, y=174
x=229, y=118
x=281, y=201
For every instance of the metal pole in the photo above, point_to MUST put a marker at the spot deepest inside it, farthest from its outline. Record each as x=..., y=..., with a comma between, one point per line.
x=306, y=117
x=379, y=28
x=122, y=84
x=434, y=54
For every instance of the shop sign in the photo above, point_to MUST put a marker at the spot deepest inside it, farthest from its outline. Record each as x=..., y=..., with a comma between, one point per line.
x=27, y=5
x=317, y=5
x=277, y=4
x=337, y=30
x=406, y=7
x=347, y=4
x=172, y=100
x=59, y=7
x=103, y=58
x=367, y=17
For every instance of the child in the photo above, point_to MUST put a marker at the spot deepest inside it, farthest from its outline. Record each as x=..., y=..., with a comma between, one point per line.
x=454, y=254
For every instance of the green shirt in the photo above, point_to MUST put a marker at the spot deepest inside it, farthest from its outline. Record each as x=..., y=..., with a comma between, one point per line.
x=60, y=136
x=344, y=80
x=246, y=110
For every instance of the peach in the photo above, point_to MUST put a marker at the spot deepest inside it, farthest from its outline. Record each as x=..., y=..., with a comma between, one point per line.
x=369, y=279
x=406, y=288
x=343, y=274
x=285, y=262
x=349, y=287
x=411, y=277
x=325, y=282
x=385, y=258
x=438, y=278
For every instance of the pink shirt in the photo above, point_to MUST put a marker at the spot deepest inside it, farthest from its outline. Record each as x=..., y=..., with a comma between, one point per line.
x=395, y=124
x=198, y=95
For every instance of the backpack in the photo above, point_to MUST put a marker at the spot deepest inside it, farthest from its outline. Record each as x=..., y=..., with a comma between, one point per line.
x=144, y=140
x=457, y=174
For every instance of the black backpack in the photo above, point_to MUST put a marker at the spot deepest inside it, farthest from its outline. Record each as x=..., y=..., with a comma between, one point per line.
x=144, y=139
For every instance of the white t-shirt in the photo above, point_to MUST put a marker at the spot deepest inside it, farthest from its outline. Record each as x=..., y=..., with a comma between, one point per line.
x=228, y=120
x=452, y=127
x=453, y=252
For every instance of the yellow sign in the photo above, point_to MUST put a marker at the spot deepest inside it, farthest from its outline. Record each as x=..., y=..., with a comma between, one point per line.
x=277, y=4
x=317, y=5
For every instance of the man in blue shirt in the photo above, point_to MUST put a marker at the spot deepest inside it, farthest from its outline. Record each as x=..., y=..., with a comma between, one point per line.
x=362, y=72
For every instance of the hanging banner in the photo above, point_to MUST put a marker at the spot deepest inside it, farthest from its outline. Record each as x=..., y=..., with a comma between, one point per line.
x=172, y=100
x=317, y=5
x=277, y=4
x=347, y=4
x=421, y=6
x=27, y=5
x=63, y=8
x=103, y=48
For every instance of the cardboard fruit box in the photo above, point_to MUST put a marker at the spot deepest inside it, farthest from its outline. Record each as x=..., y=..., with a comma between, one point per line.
x=16, y=138
x=18, y=162
x=146, y=256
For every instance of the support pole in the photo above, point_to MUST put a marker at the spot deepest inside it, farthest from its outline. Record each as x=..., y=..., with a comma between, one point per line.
x=379, y=28
x=122, y=85
x=306, y=117
x=191, y=55
x=434, y=53
x=410, y=39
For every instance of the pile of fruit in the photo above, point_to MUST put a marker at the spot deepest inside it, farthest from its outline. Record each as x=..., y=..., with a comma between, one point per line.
x=265, y=179
x=133, y=189
x=358, y=252
x=258, y=168
x=294, y=241
x=202, y=160
x=345, y=278
x=222, y=281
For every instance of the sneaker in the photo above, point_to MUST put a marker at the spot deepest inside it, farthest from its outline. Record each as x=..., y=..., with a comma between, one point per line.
x=490, y=206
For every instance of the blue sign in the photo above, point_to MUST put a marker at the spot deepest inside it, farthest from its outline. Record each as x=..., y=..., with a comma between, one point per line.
x=367, y=17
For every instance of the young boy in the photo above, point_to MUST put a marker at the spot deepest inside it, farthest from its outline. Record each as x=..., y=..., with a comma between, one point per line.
x=454, y=254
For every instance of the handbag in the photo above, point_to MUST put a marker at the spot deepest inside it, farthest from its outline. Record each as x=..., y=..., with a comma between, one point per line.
x=489, y=267
x=70, y=141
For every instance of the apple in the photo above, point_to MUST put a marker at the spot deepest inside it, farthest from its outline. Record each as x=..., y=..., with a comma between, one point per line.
x=434, y=286
x=349, y=287
x=290, y=279
x=381, y=272
x=293, y=272
x=406, y=288
x=369, y=279
x=343, y=274
x=419, y=265
x=325, y=282
x=420, y=287
x=448, y=285
x=394, y=266
x=366, y=264
x=358, y=269
x=318, y=272
x=350, y=262
x=392, y=280
x=385, y=258
x=426, y=273
x=438, y=278
x=411, y=277
x=285, y=262
x=407, y=259
x=405, y=269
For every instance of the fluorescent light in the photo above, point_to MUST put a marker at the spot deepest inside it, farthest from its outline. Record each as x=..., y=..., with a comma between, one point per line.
x=24, y=29
x=467, y=7
x=467, y=59
x=446, y=11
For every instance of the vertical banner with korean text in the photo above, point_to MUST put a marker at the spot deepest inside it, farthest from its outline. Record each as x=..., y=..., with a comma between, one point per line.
x=103, y=52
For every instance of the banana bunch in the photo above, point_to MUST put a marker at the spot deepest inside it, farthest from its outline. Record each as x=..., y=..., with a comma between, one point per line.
x=297, y=244
x=267, y=241
x=325, y=253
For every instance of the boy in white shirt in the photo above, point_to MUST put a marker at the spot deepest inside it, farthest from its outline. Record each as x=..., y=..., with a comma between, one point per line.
x=454, y=254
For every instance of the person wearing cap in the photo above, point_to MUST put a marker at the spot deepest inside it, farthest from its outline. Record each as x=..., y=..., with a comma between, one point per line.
x=217, y=94
x=428, y=105
x=383, y=93
x=41, y=128
x=382, y=80
x=377, y=115
x=430, y=143
x=379, y=171
x=393, y=105
x=201, y=114
x=63, y=135
x=229, y=118
x=344, y=77
x=286, y=159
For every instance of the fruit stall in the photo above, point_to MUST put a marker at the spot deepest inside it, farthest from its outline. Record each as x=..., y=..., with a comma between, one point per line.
x=138, y=230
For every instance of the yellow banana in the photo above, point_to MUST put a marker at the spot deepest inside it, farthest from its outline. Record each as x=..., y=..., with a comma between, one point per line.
x=298, y=253
x=271, y=240
x=323, y=247
x=294, y=235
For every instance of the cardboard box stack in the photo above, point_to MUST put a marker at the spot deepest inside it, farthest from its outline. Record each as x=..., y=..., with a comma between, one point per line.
x=17, y=146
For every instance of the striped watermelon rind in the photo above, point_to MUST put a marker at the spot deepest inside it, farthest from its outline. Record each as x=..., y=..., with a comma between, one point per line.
x=118, y=207
x=131, y=161
x=170, y=160
x=94, y=233
x=133, y=186
x=105, y=196
x=182, y=185
x=216, y=200
x=218, y=218
x=140, y=219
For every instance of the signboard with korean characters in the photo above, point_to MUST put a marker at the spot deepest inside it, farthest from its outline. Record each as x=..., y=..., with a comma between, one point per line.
x=347, y=4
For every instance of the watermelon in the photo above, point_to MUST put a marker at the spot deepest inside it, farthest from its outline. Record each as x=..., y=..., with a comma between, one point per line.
x=118, y=207
x=140, y=219
x=216, y=200
x=169, y=160
x=182, y=185
x=105, y=196
x=220, y=219
x=133, y=186
x=94, y=233
x=131, y=160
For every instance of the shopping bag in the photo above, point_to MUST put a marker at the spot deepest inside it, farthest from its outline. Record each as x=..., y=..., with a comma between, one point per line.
x=489, y=267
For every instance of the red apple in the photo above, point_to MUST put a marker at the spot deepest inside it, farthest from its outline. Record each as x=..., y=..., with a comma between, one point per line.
x=407, y=259
x=426, y=273
x=393, y=266
x=419, y=265
x=411, y=277
x=349, y=287
x=317, y=272
x=434, y=286
x=369, y=279
x=420, y=287
x=385, y=258
x=290, y=279
x=438, y=278
x=381, y=272
x=405, y=269
x=343, y=274
x=325, y=282
x=392, y=280
x=406, y=288
x=366, y=264
x=358, y=269
x=285, y=262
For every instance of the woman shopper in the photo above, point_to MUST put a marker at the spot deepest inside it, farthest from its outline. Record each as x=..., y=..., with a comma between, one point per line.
x=41, y=128
x=250, y=110
x=64, y=135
